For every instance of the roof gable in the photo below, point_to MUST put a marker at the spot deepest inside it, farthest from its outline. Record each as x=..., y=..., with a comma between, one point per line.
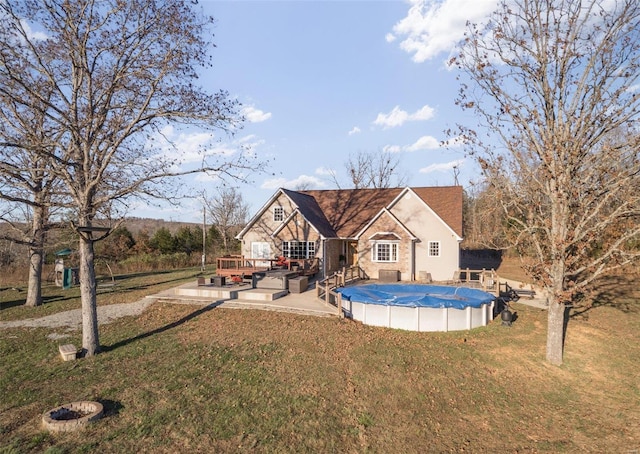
x=385, y=211
x=312, y=212
x=348, y=211
x=446, y=202
x=260, y=212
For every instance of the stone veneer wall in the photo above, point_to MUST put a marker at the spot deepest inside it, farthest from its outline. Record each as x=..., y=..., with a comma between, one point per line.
x=385, y=224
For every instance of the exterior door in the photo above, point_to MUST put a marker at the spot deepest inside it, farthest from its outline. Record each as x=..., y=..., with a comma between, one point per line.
x=352, y=253
x=261, y=250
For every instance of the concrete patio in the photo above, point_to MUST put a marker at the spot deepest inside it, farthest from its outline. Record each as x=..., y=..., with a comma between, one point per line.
x=243, y=296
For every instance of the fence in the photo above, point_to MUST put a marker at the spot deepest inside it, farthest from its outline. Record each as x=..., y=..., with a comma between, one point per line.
x=485, y=279
x=325, y=289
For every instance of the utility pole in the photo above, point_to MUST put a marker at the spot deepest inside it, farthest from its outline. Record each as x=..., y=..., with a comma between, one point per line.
x=204, y=237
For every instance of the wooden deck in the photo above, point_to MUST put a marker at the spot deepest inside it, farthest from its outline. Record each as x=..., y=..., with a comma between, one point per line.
x=238, y=266
x=242, y=267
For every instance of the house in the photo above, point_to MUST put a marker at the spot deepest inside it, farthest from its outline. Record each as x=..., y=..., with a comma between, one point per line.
x=414, y=231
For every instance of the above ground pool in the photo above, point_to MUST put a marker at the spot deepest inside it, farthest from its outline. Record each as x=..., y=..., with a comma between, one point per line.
x=418, y=307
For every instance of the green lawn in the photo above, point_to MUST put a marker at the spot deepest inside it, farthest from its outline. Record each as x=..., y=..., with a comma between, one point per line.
x=128, y=288
x=183, y=378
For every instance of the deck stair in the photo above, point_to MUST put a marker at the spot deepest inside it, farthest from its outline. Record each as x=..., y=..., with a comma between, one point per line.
x=210, y=293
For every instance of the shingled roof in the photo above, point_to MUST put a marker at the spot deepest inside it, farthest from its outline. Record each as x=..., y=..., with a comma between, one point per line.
x=312, y=212
x=345, y=212
x=446, y=201
x=349, y=210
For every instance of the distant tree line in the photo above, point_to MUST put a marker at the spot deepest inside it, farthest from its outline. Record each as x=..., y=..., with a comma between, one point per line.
x=122, y=244
x=162, y=248
x=127, y=251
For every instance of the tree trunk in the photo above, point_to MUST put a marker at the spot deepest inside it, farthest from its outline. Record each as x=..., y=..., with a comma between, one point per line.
x=555, y=332
x=90, y=341
x=36, y=254
x=34, y=287
x=224, y=241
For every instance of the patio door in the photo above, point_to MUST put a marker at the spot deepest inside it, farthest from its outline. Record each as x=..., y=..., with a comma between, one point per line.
x=261, y=250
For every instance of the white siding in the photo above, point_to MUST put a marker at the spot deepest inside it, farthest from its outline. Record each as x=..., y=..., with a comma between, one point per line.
x=427, y=226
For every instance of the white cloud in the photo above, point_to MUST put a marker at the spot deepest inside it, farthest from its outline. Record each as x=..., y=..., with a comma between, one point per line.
x=390, y=37
x=442, y=167
x=303, y=180
x=426, y=113
x=254, y=115
x=355, y=130
x=432, y=27
x=394, y=118
x=186, y=147
x=206, y=177
x=323, y=171
x=192, y=147
x=397, y=117
x=248, y=138
x=424, y=143
x=249, y=143
x=33, y=35
x=274, y=183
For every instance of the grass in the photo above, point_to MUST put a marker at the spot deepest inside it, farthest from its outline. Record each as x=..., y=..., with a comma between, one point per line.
x=185, y=378
x=129, y=288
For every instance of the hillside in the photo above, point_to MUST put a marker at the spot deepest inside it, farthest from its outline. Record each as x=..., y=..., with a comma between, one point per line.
x=136, y=225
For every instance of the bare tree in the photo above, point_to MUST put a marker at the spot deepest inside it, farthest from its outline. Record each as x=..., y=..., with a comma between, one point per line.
x=228, y=213
x=483, y=218
x=114, y=74
x=556, y=82
x=372, y=170
x=25, y=184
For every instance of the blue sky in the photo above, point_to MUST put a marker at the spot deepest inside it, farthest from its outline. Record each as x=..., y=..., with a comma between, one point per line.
x=320, y=80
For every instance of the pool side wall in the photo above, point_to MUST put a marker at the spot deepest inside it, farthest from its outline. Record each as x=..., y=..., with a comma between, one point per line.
x=426, y=319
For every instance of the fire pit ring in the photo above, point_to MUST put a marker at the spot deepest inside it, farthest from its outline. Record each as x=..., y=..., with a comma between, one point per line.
x=73, y=416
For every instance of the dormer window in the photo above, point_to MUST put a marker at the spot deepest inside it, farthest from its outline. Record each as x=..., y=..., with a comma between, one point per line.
x=278, y=214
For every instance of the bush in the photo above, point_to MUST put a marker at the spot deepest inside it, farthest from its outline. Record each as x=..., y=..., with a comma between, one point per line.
x=153, y=262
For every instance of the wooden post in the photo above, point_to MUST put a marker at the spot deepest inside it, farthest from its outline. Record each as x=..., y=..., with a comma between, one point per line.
x=326, y=292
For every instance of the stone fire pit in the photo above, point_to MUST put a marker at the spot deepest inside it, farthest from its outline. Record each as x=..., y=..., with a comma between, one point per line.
x=72, y=416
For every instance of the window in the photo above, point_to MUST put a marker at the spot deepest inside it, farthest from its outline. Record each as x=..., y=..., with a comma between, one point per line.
x=385, y=251
x=434, y=248
x=278, y=214
x=299, y=249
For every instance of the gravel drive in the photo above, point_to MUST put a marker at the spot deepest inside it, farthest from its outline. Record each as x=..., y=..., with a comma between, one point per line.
x=73, y=319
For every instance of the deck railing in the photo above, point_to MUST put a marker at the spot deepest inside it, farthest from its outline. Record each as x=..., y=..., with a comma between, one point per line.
x=238, y=265
x=351, y=274
x=485, y=279
x=325, y=289
x=304, y=266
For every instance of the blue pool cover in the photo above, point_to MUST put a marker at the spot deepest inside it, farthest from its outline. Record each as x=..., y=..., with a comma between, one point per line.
x=416, y=295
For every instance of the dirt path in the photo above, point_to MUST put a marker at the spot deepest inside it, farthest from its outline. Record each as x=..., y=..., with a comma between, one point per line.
x=73, y=319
